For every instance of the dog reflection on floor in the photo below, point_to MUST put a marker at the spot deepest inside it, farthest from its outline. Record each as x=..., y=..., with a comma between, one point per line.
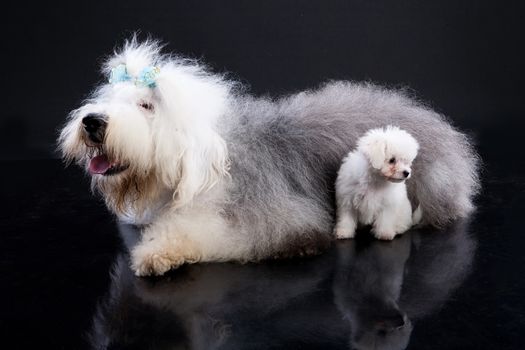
x=361, y=295
x=367, y=289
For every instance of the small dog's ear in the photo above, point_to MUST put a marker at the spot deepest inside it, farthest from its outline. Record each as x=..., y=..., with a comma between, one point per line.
x=373, y=146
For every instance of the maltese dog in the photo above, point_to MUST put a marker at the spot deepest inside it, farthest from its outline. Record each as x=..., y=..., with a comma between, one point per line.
x=370, y=186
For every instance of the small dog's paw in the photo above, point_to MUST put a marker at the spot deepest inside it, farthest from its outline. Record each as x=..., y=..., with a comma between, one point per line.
x=402, y=229
x=153, y=263
x=344, y=232
x=385, y=235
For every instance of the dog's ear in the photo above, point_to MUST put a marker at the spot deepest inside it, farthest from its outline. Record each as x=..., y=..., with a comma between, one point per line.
x=373, y=146
x=190, y=154
x=190, y=163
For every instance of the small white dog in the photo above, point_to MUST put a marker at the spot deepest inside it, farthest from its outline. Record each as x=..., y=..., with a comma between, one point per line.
x=370, y=186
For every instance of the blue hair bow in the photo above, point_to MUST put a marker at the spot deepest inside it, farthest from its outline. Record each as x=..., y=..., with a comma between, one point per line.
x=145, y=78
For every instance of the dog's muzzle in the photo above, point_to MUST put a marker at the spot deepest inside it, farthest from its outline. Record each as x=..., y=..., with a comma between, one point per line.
x=94, y=125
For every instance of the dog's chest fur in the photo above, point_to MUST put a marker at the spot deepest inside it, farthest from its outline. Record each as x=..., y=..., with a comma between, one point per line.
x=375, y=197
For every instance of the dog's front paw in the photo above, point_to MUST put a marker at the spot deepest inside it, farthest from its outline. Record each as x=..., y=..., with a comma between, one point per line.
x=146, y=263
x=384, y=234
x=344, y=232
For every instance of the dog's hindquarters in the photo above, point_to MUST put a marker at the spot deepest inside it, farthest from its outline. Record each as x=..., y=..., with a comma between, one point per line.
x=285, y=156
x=445, y=172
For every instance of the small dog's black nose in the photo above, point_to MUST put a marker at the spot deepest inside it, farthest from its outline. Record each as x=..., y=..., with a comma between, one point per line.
x=406, y=173
x=95, y=125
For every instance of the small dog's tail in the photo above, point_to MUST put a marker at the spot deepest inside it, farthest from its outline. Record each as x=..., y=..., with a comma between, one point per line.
x=417, y=215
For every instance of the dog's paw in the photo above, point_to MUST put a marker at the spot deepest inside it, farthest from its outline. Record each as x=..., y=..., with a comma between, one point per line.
x=385, y=235
x=344, y=232
x=147, y=263
x=402, y=229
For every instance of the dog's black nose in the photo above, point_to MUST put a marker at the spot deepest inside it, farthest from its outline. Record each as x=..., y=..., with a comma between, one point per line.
x=93, y=121
x=95, y=125
x=406, y=173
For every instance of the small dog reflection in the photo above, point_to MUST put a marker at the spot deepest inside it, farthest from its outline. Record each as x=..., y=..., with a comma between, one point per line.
x=379, y=288
x=367, y=290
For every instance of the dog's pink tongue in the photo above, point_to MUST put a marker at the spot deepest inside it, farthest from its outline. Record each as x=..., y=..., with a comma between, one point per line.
x=99, y=164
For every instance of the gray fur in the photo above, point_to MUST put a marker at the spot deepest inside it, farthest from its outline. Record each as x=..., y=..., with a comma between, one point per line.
x=285, y=155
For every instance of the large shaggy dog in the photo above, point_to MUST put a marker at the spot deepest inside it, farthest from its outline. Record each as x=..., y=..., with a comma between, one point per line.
x=212, y=174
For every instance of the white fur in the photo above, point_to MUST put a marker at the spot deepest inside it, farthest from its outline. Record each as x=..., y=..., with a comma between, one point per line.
x=370, y=188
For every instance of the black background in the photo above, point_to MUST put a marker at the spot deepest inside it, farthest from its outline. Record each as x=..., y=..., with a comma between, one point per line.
x=58, y=243
x=463, y=57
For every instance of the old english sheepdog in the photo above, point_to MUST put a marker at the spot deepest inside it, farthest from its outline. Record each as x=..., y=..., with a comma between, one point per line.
x=213, y=174
x=370, y=187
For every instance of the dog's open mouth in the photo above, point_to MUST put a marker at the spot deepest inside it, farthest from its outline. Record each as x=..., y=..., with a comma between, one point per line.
x=101, y=165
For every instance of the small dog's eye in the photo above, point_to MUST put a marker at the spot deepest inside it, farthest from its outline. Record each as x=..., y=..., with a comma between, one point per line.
x=146, y=105
x=392, y=160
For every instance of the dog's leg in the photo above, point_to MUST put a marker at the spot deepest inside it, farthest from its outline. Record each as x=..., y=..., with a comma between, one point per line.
x=346, y=223
x=184, y=236
x=417, y=216
x=403, y=219
x=161, y=249
x=384, y=226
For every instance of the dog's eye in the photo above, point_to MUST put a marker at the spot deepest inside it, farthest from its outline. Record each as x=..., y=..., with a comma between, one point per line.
x=147, y=106
x=392, y=160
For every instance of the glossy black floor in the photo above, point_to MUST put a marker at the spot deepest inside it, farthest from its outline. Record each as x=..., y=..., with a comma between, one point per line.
x=65, y=281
